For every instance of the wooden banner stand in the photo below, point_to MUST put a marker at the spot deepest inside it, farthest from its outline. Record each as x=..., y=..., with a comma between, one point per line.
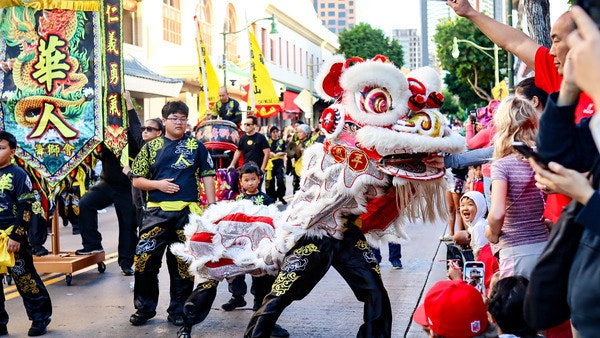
x=66, y=262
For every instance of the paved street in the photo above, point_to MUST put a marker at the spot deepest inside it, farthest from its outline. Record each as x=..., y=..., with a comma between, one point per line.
x=99, y=305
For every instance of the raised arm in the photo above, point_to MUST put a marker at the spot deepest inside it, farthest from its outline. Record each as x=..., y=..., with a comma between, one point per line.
x=506, y=37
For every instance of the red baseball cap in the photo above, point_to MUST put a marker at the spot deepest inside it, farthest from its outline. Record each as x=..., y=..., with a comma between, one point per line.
x=453, y=309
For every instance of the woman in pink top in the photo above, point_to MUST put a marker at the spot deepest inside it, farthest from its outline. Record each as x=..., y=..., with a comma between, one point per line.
x=515, y=221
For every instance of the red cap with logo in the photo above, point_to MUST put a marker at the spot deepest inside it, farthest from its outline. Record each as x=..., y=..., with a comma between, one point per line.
x=453, y=309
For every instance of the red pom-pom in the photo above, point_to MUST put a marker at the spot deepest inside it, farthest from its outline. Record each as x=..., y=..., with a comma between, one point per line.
x=435, y=100
x=416, y=87
x=417, y=102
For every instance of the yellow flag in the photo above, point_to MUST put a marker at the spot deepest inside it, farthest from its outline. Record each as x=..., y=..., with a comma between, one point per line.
x=209, y=84
x=500, y=91
x=262, y=94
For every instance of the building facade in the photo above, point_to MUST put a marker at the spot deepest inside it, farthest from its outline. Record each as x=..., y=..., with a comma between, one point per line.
x=162, y=36
x=336, y=15
x=410, y=41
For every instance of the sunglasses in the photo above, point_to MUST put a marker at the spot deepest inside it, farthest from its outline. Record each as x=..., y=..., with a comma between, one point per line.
x=149, y=129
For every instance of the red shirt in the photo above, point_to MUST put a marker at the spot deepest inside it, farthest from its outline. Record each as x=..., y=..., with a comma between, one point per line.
x=548, y=79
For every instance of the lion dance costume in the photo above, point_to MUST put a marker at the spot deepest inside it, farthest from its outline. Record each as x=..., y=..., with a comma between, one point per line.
x=367, y=178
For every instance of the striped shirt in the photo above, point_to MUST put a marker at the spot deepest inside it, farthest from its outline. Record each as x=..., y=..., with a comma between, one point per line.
x=523, y=223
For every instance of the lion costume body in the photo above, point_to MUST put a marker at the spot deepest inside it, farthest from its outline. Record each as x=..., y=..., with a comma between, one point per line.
x=369, y=177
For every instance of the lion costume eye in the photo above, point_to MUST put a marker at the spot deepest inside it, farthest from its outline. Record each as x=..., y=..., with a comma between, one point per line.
x=374, y=100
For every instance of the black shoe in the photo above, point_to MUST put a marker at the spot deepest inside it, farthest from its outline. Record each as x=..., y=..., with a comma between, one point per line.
x=278, y=331
x=233, y=303
x=140, y=318
x=39, y=251
x=397, y=265
x=176, y=320
x=85, y=251
x=184, y=332
x=126, y=271
x=38, y=328
x=3, y=330
x=283, y=201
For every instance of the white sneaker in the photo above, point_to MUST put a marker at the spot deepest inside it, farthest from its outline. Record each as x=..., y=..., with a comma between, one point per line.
x=446, y=238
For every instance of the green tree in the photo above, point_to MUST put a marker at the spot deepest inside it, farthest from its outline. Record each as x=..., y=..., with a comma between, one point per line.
x=365, y=41
x=472, y=69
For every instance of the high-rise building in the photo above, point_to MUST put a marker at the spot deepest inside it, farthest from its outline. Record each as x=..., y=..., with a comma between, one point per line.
x=336, y=15
x=411, y=46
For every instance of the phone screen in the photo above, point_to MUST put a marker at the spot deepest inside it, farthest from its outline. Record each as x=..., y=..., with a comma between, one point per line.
x=474, y=274
x=526, y=151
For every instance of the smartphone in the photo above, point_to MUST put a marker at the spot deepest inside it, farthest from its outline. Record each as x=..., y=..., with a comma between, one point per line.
x=474, y=274
x=528, y=152
x=591, y=7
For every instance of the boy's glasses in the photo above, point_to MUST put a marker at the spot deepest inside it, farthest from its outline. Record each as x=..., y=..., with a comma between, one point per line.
x=248, y=124
x=149, y=129
x=176, y=119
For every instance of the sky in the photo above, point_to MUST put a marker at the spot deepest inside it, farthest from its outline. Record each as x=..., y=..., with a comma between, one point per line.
x=394, y=14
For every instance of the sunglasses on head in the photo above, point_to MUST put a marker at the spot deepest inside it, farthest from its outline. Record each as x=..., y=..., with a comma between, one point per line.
x=149, y=129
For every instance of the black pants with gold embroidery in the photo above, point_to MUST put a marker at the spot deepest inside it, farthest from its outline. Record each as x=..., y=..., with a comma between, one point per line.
x=159, y=230
x=30, y=286
x=306, y=264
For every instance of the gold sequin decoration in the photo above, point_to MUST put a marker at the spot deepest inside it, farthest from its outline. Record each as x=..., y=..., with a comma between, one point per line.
x=140, y=262
x=152, y=233
x=183, y=268
x=362, y=245
x=283, y=283
x=209, y=284
x=26, y=284
x=306, y=250
x=181, y=236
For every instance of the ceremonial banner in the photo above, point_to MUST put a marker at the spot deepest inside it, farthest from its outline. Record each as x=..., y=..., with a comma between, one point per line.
x=262, y=92
x=115, y=117
x=50, y=87
x=209, y=83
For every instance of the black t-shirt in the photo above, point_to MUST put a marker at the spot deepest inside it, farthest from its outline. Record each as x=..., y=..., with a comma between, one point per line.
x=252, y=147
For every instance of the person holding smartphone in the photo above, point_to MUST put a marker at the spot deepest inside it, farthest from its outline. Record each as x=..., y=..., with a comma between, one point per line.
x=575, y=147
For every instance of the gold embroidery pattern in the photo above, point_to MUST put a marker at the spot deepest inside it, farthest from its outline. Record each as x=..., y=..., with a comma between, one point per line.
x=26, y=283
x=283, y=283
x=209, y=284
x=363, y=245
x=377, y=269
x=152, y=233
x=37, y=208
x=181, y=235
x=140, y=262
x=183, y=268
x=306, y=250
x=26, y=216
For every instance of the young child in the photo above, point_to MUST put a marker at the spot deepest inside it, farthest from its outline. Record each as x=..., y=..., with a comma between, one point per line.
x=472, y=210
x=505, y=307
x=477, y=184
x=16, y=200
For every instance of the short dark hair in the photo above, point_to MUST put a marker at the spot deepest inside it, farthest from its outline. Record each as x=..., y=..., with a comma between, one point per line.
x=273, y=128
x=250, y=168
x=12, y=141
x=173, y=107
x=253, y=118
x=529, y=90
x=505, y=304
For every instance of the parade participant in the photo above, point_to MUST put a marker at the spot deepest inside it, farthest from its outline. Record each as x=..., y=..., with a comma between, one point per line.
x=253, y=146
x=226, y=108
x=261, y=285
x=152, y=129
x=169, y=168
x=114, y=188
x=16, y=200
x=275, y=181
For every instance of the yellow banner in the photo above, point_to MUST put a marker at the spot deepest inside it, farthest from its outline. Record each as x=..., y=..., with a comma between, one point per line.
x=262, y=96
x=500, y=91
x=209, y=83
x=73, y=5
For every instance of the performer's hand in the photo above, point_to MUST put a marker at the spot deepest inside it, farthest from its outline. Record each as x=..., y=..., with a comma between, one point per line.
x=13, y=246
x=434, y=161
x=167, y=186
